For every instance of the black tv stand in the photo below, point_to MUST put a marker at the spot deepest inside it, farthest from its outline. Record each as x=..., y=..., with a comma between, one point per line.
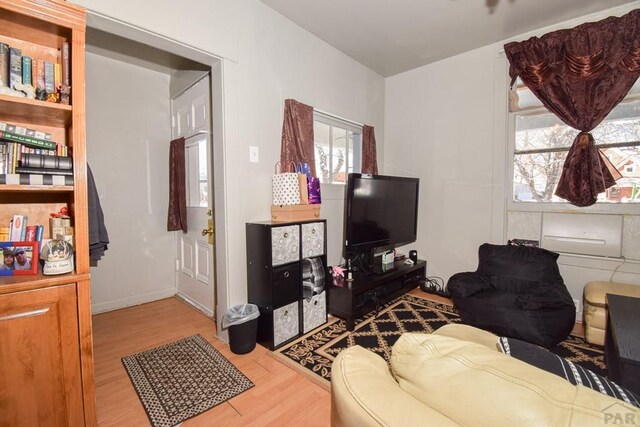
x=351, y=300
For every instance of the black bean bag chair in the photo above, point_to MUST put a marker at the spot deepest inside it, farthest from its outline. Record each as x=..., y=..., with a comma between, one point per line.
x=517, y=291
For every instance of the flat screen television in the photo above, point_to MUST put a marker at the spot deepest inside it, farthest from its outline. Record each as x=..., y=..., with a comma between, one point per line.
x=381, y=212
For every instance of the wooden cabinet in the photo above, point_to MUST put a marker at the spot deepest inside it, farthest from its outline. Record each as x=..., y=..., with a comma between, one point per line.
x=40, y=350
x=281, y=259
x=46, y=348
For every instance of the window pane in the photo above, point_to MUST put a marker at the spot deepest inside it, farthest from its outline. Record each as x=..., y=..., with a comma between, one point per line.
x=322, y=132
x=535, y=175
x=339, y=155
x=197, y=174
x=542, y=131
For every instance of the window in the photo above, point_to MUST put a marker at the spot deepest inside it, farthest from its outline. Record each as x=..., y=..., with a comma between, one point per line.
x=338, y=148
x=196, y=173
x=541, y=143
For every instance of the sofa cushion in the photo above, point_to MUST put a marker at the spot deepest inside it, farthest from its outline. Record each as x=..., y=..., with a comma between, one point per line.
x=575, y=374
x=475, y=385
x=363, y=392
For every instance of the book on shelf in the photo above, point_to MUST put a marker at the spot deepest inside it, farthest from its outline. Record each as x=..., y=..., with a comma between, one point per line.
x=41, y=93
x=4, y=65
x=49, y=78
x=39, y=233
x=26, y=70
x=21, y=130
x=44, y=171
x=35, y=179
x=30, y=234
x=15, y=67
x=27, y=140
x=45, y=161
x=17, y=228
x=65, y=88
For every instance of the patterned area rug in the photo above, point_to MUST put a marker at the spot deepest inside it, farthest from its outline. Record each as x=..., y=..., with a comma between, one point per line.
x=407, y=313
x=182, y=379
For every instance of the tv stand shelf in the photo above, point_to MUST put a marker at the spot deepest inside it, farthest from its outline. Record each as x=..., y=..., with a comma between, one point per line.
x=351, y=300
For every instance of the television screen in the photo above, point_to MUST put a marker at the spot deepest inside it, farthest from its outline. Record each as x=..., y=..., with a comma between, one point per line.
x=381, y=211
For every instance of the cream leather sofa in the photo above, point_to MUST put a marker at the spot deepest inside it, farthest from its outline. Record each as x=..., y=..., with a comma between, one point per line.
x=457, y=376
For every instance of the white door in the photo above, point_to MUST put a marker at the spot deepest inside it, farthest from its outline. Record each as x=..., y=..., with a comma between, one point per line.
x=191, y=119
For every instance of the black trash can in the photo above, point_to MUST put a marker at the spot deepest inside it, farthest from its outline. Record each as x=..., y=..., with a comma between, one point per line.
x=242, y=321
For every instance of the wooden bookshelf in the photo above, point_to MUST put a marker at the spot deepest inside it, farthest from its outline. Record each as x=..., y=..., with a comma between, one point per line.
x=45, y=321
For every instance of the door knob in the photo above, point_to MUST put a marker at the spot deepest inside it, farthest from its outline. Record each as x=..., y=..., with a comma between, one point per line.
x=209, y=231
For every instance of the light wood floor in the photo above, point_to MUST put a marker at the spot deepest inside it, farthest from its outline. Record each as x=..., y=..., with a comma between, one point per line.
x=281, y=395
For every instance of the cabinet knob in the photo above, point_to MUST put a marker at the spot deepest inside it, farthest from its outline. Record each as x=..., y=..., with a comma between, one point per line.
x=286, y=274
x=313, y=231
x=286, y=235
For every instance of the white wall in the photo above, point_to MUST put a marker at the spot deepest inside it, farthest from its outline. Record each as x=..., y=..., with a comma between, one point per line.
x=439, y=127
x=446, y=123
x=128, y=134
x=266, y=59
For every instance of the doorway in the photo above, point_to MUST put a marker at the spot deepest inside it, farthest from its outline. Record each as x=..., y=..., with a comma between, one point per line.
x=146, y=262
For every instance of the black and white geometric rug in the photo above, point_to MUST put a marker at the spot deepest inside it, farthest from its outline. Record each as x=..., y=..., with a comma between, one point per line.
x=182, y=379
x=316, y=351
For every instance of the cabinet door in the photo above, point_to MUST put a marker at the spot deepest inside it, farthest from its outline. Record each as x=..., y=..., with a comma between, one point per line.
x=312, y=239
x=40, y=369
x=285, y=244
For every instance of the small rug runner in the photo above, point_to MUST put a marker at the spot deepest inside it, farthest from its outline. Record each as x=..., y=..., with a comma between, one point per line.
x=182, y=379
x=407, y=313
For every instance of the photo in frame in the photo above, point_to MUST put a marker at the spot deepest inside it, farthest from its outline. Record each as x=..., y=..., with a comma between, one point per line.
x=18, y=258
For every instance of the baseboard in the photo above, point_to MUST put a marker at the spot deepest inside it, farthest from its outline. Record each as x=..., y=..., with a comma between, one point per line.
x=196, y=305
x=132, y=300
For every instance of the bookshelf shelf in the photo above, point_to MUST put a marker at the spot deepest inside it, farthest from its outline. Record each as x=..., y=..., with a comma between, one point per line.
x=40, y=113
x=9, y=284
x=55, y=365
x=37, y=188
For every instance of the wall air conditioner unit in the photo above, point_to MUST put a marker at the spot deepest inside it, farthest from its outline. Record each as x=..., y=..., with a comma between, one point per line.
x=585, y=234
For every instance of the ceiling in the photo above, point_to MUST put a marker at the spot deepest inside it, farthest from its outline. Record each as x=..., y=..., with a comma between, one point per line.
x=393, y=36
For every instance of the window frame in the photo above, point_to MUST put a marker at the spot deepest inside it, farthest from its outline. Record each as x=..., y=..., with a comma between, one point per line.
x=349, y=126
x=515, y=206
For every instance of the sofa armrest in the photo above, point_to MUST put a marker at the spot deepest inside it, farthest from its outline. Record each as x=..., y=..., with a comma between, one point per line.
x=464, y=285
x=364, y=393
x=471, y=334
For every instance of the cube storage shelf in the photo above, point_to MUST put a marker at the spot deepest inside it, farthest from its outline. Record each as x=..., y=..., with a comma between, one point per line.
x=276, y=253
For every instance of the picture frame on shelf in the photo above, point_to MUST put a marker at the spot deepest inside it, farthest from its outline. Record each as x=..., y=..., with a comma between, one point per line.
x=19, y=258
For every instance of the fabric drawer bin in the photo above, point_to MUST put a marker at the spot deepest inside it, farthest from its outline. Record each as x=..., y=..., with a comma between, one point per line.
x=314, y=311
x=286, y=323
x=285, y=244
x=312, y=239
x=286, y=284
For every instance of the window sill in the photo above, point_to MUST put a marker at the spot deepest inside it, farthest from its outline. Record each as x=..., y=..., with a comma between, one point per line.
x=620, y=209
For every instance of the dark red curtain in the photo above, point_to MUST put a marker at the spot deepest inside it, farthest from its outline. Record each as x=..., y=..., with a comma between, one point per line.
x=177, y=217
x=297, y=136
x=580, y=75
x=369, y=153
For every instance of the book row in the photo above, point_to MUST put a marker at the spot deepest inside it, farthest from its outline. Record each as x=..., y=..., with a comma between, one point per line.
x=17, y=158
x=19, y=230
x=33, y=77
